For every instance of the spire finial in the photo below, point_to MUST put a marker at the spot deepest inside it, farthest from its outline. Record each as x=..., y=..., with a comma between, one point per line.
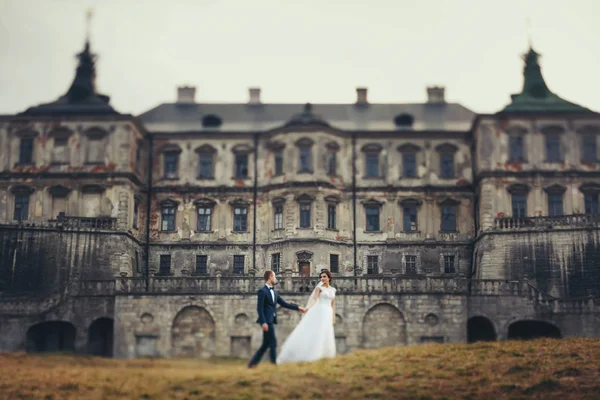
x=529, y=34
x=88, y=24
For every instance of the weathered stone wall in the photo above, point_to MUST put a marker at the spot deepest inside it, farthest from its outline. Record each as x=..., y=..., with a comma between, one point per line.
x=563, y=263
x=40, y=262
x=225, y=324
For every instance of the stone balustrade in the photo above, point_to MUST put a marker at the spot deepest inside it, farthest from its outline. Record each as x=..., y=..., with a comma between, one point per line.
x=563, y=221
x=102, y=223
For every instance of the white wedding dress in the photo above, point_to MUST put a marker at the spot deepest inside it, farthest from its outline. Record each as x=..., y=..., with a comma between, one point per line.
x=313, y=338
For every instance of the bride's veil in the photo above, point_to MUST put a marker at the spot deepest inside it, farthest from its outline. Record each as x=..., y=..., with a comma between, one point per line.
x=312, y=297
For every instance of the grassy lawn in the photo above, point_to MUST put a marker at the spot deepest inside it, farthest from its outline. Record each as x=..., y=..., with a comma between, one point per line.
x=544, y=369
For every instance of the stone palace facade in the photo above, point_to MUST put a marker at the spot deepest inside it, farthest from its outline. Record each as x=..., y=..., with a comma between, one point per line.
x=148, y=235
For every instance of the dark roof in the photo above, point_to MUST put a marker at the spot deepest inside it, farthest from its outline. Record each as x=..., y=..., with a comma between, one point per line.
x=535, y=96
x=174, y=118
x=81, y=98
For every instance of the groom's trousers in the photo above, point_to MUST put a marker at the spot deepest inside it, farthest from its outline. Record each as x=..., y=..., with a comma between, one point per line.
x=269, y=342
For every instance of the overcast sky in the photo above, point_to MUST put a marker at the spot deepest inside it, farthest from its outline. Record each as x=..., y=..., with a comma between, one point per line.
x=299, y=50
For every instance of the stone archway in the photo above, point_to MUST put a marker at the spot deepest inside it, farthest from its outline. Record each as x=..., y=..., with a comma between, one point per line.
x=100, y=337
x=532, y=329
x=51, y=336
x=383, y=326
x=480, y=329
x=193, y=333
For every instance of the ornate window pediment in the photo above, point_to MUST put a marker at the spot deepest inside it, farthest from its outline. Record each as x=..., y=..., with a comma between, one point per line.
x=409, y=148
x=59, y=191
x=95, y=133
x=333, y=146
x=239, y=202
x=305, y=142
x=304, y=198
x=518, y=188
x=170, y=148
x=371, y=148
x=516, y=130
x=205, y=202
x=241, y=149
x=332, y=199
x=168, y=202
x=448, y=202
x=304, y=256
x=206, y=149
x=372, y=203
x=589, y=130
x=26, y=133
x=410, y=202
x=278, y=200
x=555, y=189
x=93, y=189
x=60, y=133
x=22, y=190
x=446, y=148
x=590, y=188
x=552, y=129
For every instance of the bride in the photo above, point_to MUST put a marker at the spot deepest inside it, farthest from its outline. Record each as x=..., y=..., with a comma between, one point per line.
x=313, y=338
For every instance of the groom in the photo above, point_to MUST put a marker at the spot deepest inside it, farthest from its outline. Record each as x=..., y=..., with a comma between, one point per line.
x=267, y=318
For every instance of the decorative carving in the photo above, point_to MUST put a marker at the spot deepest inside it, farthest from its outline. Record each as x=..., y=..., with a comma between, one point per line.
x=304, y=256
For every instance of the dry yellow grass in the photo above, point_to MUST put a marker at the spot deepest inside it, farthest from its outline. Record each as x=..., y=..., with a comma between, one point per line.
x=545, y=369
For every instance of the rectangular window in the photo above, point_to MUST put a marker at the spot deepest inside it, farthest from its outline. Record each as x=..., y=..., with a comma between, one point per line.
x=170, y=164
x=95, y=150
x=515, y=147
x=201, y=264
x=138, y=157
x=206, y=166
x=519, y=205
x=591, y=203
x=331, y=220
x=168, y=218
x=410, y=219
x=449, y=219
x=447, y=165
x=275, y=262
x=240, y=219
x=278, y=217
x=372, y=162
x=555, y=204
x=165, y=264
x=372, y=265
x=136, y=213
x=331, y=163
x=21, y=207
x=26, y=151
x=305, y=159
x=238, y=264
x=241, y=166
x=411, y=265
x=589, y=149
x=279, y=162
x=204, y=219
x=60, y=151
x=372, y=214
x=449, y=266
x=409, y=165
x=334, y=263
x=553, y=148
x=305, y=215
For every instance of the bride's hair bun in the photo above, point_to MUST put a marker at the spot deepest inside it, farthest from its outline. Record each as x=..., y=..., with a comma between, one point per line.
x=326, y=272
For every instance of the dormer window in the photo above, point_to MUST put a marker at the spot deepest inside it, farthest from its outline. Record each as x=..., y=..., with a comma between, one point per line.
x=211, y=121
x=404, y=121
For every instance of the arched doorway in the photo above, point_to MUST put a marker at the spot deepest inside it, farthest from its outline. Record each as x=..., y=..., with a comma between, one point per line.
x=51, y=336
x=193, y=333
x=480, y=329
x=532, y=330
x=100, y=337
x=383, y=325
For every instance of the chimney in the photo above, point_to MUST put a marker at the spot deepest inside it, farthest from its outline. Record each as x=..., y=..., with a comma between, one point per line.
x=435, y=95
x=186, y=95
x=361, y=96
x=254, y=96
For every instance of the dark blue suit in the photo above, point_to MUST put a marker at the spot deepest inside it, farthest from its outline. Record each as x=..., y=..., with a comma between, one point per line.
x=267, y=315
